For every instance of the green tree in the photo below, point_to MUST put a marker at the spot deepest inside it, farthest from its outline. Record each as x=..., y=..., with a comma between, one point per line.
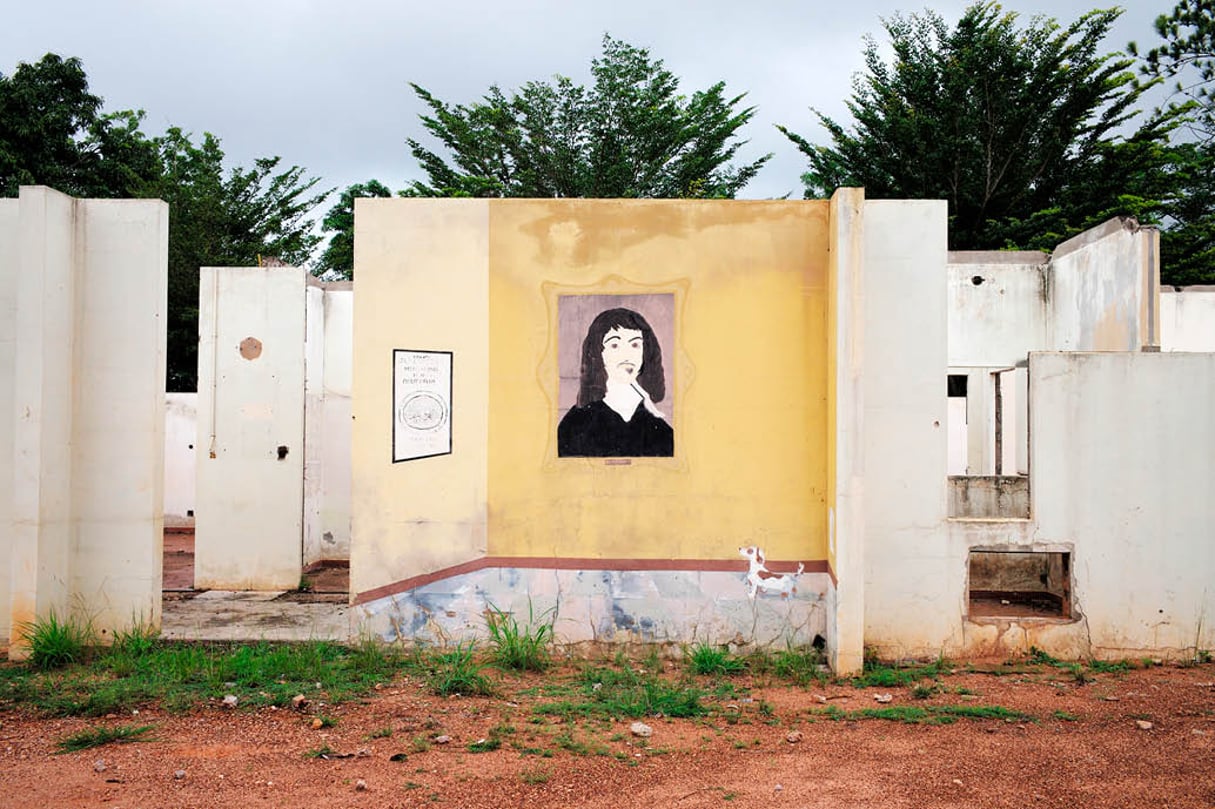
x=53, y=132
x=1188, y=56
x=338, y=259
x=630, y=134
x=224, y=219
x=1017, y=127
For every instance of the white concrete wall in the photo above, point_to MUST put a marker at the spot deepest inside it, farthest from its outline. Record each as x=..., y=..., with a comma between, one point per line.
x=118, y=409
x=908, y=599
x=1124, y=472
x=249, y=503
x=315, y=447
x=1104, y=286
x=1187, y=319
x=42, y=406
x=181, y=436
x=9, y=267
x=84, y=407
x=998, y=307
x=335, y=464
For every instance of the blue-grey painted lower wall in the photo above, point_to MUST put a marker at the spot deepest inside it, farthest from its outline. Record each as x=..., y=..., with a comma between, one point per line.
x=610, y=607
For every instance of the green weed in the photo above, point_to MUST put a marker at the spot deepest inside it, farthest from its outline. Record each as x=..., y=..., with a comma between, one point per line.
x=382, y=733
x=799, y=666
x=929, y=715
x=1065, y=716
x=521, y=646
x=706, y=659
x=540, y=775
x=96, y=737
x=484, y=745
x=458, y=672
x=624, y=692
x=55, y=643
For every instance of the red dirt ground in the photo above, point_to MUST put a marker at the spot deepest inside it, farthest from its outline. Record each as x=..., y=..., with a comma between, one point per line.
x=1083, y=747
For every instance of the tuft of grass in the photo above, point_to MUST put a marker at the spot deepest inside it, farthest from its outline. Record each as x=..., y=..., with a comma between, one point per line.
x=799, y=666
x=539, y=775
x=324, y=751
x=1065, y=716
x=458, y=672
x=1040, y=657
x=521, y=646
x=382, y=733
x=55, y=643
x=328, y=721
x=706, y=659
x=1110, y=666
x=880, y=675
x=420, y=744
x=929, y=715
x=96, y=737
x=924, y=690
x=485, y=745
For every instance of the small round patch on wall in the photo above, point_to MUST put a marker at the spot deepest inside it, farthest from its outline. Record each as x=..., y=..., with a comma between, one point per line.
x=250, y=348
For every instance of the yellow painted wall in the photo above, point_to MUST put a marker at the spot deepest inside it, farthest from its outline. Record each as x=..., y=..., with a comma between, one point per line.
x=482, y=279
x=749, y=398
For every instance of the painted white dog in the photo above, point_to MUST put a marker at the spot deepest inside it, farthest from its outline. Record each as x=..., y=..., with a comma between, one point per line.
x=760, y=578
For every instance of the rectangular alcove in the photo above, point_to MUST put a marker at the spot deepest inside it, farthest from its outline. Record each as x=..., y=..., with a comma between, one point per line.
x=1019, y=584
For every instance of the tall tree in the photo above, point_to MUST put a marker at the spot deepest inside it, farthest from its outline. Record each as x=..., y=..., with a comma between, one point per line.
x=1187, y=55
x=53, y=132
x=1017, y=127
x=217, y=218
x=630, y=134
x=337, y=261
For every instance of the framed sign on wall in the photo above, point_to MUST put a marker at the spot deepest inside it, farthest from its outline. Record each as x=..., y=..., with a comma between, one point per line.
x=421, y=404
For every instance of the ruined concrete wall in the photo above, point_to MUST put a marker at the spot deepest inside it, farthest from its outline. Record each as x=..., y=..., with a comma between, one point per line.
x=83, y=374
x=989, y=497
x=249, y=502
x=1187, y=319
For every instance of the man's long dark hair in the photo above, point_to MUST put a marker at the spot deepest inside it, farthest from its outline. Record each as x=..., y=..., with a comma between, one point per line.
x=594, y=376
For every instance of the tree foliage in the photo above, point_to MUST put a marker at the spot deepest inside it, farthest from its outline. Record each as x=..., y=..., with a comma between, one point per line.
x=629, y=134
x=1188, y=56
x=1017, y=127
x=53, y=132
x=221, y=218
x=337, y=261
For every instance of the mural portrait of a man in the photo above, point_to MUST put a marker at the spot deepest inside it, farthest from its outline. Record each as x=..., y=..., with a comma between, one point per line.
x=621, y=382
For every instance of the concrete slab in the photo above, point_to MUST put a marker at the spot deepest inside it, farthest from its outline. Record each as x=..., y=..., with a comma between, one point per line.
x=254, y=616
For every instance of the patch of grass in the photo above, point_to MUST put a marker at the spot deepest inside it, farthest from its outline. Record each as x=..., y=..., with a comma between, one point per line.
x=138, y=670
x=539, y=775
x=56, y=642
x=929, y=715
x=484, y=745
x=458, y=672
x=382, y=733
x=1110, y=666
x=96, y=737
x=1040, y=657
x=328, y=721
x=521, y=646
x=1064, y=716
x=799, y=666
x=420, y=744
x=924, y=690
x=881, y=675
x=324, y=751
x=607, y=692
x=705, y=659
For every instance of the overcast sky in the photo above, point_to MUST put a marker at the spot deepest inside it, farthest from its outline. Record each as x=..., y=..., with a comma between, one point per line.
x=325, y=84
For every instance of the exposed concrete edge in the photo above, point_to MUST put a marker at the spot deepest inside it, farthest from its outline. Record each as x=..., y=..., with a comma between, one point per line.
x=997, y=257
x=1169, y=289
x=1092, y=235
x=575, y=563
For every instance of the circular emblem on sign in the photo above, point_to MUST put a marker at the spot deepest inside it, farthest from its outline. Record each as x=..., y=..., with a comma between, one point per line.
x=423, y=411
